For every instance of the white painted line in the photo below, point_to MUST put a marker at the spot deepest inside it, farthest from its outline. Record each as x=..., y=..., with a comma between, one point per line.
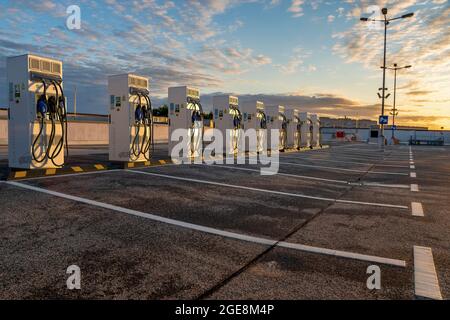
x=340, y=169
x=342, y=161
x=411, y=163
x=426, y=283
x=226, y=234
x=412, y=167
x=342, y=254
x=278, y=174
x=415, y=188
x=357, y=184
x=373, y=184
x=413, y=175
x=352, y=157
x=298, y=195
x=417, y=209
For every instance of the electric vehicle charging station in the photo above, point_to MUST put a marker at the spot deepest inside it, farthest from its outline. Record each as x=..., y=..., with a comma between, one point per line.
x=186, y=112
x=294, y=131
x=131, y=127
x=228, y=119
x=276, y=120
x=254, y=117
x=316, y=138
x=37, y=126
x=305, y=130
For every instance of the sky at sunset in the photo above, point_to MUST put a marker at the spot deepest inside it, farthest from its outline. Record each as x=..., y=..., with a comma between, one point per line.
x=314, y=55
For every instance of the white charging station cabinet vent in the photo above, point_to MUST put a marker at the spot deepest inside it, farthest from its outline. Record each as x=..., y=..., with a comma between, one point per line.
x=29, y=137
x=228, y=120
x=294, y=131
x=185, y=113
x=129, y=136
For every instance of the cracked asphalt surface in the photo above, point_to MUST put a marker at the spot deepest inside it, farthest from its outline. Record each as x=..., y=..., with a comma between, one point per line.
x=122, y=256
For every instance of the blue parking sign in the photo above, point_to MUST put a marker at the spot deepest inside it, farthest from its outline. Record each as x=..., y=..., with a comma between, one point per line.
x=384, y=119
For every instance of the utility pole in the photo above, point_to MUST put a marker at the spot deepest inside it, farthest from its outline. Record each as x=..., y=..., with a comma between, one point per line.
x=383, y=95
x=394, y=111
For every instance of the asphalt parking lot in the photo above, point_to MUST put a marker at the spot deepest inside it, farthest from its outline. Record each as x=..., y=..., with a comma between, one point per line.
x=227, y=232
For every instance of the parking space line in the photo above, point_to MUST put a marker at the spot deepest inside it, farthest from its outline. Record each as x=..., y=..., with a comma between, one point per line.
x=413, y=175
x=344, y=161
x=382, y=185
x=218, y=232
x=357, y=184
x=415, y=188
x=412, y=167
x=368, y=158
x=417, y=209
x=298, y=195
x=341, y=169
x=232, y=167
x=426, y=283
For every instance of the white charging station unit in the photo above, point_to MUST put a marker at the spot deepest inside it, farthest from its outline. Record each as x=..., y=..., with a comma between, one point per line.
x=294, y=131
x=254, y=117
x=305, y=130
x=276, y=120
x=185, y=112
x=37, y=136
x=228, y=119
x=130, y=130
x=315, y=138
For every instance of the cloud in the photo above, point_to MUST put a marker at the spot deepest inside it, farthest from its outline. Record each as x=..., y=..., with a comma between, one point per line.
x=146, y=37
x=419, y=93
x=296, y=8
x=422, y=41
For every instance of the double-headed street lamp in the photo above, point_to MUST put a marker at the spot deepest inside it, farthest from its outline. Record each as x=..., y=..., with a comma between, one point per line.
x=394, y=112
x=386, y=22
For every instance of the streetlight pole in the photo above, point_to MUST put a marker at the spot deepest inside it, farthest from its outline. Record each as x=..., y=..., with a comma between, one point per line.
x=386, y=22
x=394, y=112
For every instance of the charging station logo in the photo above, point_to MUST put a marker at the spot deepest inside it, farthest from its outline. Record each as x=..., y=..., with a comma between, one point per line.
x=73, y=21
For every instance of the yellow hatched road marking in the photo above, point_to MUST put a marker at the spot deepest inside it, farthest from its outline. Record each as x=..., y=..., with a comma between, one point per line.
x=20, y=174
x=50, y=172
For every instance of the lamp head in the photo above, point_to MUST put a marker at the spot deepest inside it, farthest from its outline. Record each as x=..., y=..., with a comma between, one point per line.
x=408, y=15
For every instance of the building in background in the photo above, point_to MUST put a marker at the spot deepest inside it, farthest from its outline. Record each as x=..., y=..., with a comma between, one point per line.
x=346, y=123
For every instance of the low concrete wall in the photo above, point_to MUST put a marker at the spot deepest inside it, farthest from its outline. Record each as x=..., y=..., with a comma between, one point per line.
x=96, y=133
x=329, y=134
x=90, y=133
